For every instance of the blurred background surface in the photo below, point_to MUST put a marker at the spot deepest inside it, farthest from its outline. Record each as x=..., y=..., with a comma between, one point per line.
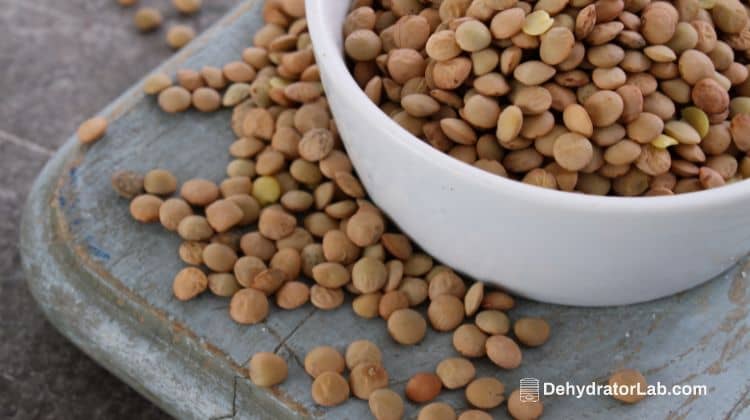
x=61, y=61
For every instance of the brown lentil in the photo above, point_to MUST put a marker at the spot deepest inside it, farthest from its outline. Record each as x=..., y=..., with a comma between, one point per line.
x=172, y=211
x=325, y=298
x=455, y=372
x=437, y=411
x=292, y=295
x=532, y=332
x=474, y=415
x=423, y=387
x=407, y=326
x=223, y=284
x=248, y=306
x=267, y=369
x=187, y=6
x=366, y=378
x=524, y=410
x=127, y=184
x=174, y=99
x=446, y=312
x=145, y=208
x=503, y=352
x=180, y=35
x=469, y=341
x=147, y=19
x=486, y=393
x=362, y=351
x=628, y=378
x=324, y=359
x=330, y=389
x=189, y=283
x=385, y=404
x=92, y=130
x=391, y=302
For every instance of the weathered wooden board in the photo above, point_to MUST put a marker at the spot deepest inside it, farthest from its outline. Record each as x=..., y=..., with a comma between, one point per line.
x=105, y=282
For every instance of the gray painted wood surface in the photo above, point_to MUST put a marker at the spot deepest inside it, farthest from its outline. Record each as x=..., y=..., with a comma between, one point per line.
x=105, y=282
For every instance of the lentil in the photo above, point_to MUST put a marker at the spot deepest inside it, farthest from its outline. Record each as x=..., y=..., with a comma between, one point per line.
x=189, y=283
x=423, y=387
x=267, y=369
x=127, y=184
x=324, y=359
x=147, y=19
x=172, y=211
x=145, y=208
x=446, y=312
x=524, y=410
x=407, y=326
x=503, y=352
x=628, y=378
x=386, y=405
x=437, y=411
x=366, y=378
x=532, y=332
x=174, y=99
x=486, y=393
x=474, y=415
x=180, y=35
x=469, y=341
x=92, y=130
x=330, y=389
x=223, y=284
x=248, y=306
x=187, y=6
x=455, y=372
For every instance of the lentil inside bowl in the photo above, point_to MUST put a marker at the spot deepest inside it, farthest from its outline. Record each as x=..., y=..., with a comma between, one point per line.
x=577, y=249
x=608, y=98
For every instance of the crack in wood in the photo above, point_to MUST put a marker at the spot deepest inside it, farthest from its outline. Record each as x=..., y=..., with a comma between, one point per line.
x=294, y=330
x=234, y=403
x=743, y=398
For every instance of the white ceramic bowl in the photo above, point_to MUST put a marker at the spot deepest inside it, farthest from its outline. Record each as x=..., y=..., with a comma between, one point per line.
x=546, y=245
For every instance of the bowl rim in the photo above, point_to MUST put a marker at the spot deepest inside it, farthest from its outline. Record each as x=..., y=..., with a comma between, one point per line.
x=330, y=60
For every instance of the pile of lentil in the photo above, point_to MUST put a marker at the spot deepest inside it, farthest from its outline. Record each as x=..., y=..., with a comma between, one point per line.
x=620, y=97
x=291, y=224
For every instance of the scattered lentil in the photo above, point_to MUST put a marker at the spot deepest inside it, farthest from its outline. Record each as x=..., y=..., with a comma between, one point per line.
x=437, y=411
x=187, y=6
x=147, y=19
x=366, y=378
x=248, y=306
x=455, y=372
x=386, y=404
x=324, y=359
x=486, y=393
x=362, y=351
x=92, y=130
x=532, y=332
x=330, y=389
x=145, y=208
x=267, y=369
x=423, y=387
x=189, y=283
x=626, y=380
x=524, y=410
x=180, y=35
x=503, y=352
x=407, y=326
x=127, y=184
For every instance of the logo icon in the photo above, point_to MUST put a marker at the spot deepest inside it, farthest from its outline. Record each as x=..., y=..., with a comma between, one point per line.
x=529, y=390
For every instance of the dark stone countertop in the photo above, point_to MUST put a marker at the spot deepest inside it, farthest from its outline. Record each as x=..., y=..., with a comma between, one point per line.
x=62, y=61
